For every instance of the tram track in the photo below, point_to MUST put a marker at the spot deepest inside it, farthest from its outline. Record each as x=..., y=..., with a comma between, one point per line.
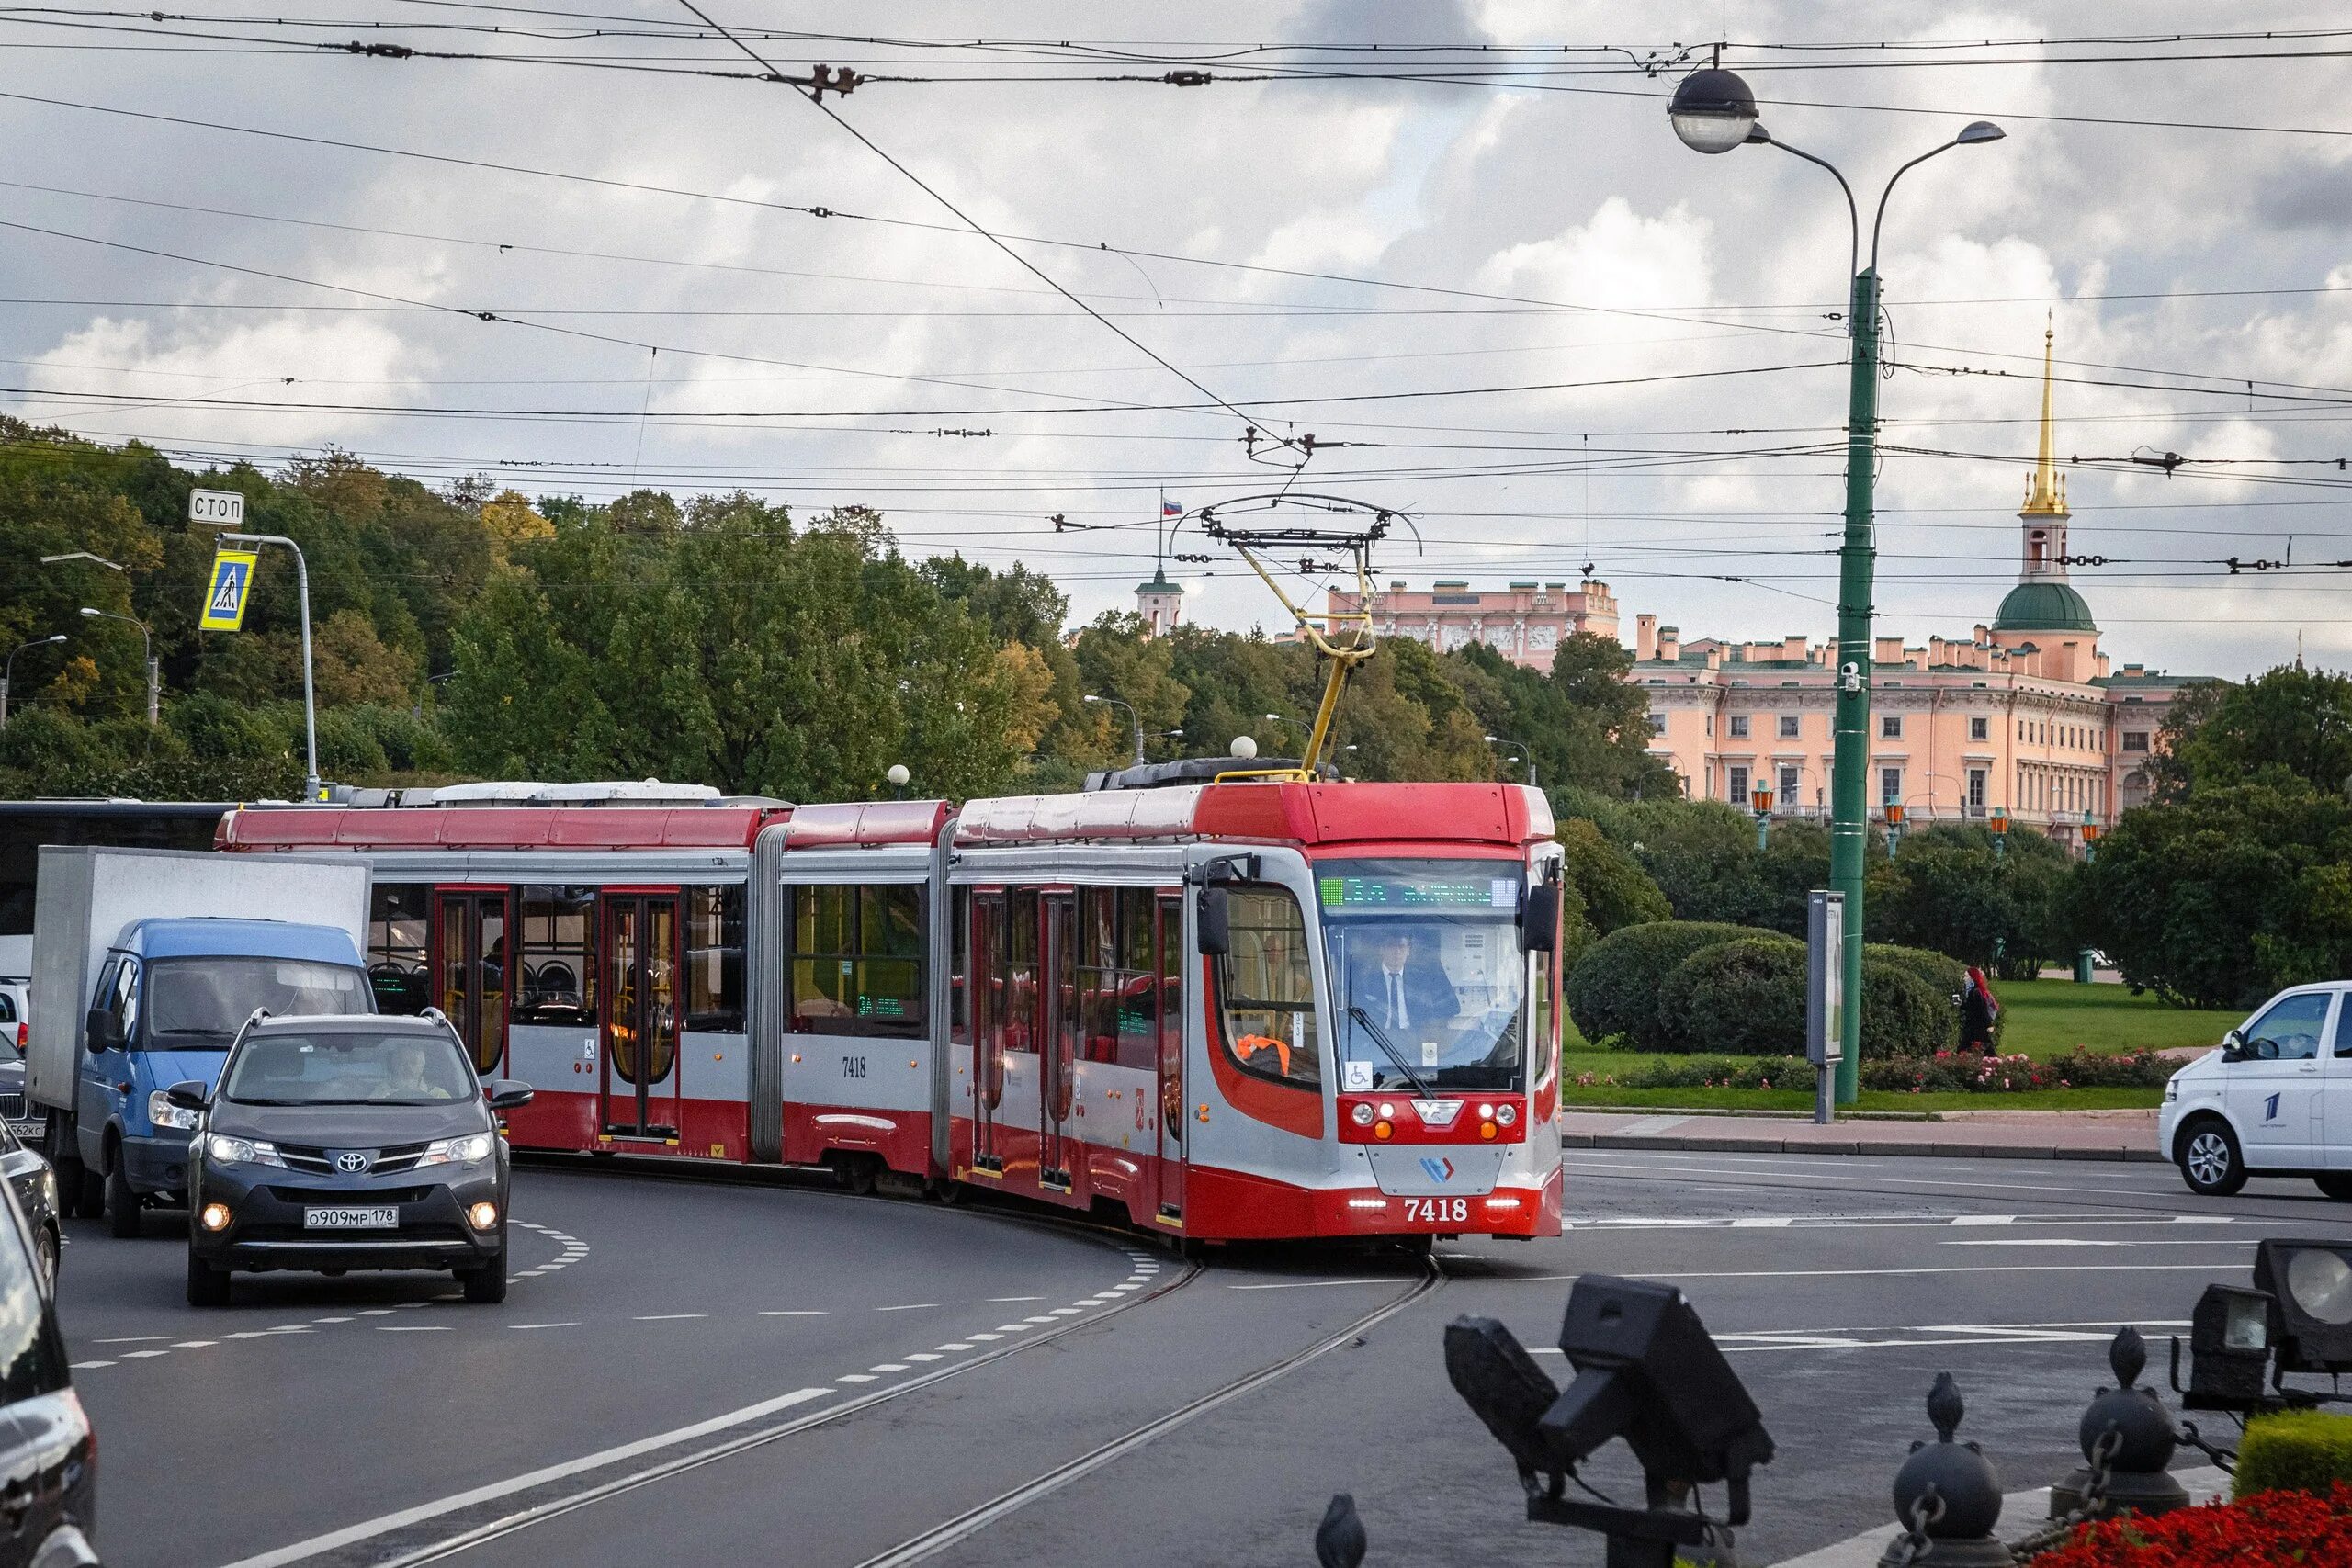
x=973, y=1520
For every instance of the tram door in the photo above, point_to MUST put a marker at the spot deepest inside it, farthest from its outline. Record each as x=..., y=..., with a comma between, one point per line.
x=471, y=976
x=639, y=1086
x=1060, y=1078
x=985, y=987
x=1170, y=948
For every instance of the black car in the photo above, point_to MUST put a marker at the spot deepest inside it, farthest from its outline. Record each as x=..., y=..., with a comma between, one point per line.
x=358, y=1141
x=49, y=1459
x=29, y=1176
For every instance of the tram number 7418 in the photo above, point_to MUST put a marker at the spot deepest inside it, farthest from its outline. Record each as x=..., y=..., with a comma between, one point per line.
x=1434, y=1210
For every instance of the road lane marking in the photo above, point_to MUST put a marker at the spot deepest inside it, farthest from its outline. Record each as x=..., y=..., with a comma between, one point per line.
x=668, y=1316
x=543, y=1325
x=986, y=1338
x=383, y=1524
x=412, y=1328
x=1984, y=1219
x=1002, y=1301
x=86, y=1366
x=888, y=1367
x=132, y=1339
x=849, y=1377
x=2094, y=1241
x=910, y=1307
x=193, y=1344
x=1877, y=1273
x=1013, y=1327
x=955, y=1344
x=1317, y=1284
x=143, y=1355
x=925, y=1355
x=796, y=1313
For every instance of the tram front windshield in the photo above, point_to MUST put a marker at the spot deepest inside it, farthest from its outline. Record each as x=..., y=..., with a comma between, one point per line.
x=1427, y=971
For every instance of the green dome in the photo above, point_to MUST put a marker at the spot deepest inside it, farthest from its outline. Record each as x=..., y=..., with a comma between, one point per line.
x=2043, y=607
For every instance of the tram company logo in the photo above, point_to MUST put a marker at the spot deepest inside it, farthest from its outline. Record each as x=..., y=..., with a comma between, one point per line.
x=1439, y=1169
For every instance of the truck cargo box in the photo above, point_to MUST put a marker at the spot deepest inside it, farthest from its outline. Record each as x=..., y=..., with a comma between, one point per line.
x=87, y=896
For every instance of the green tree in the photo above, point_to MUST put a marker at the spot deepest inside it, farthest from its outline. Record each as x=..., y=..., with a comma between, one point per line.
x=2291, y=723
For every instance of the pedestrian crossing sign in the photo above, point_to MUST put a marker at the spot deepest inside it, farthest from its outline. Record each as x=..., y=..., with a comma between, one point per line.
x=232, y=582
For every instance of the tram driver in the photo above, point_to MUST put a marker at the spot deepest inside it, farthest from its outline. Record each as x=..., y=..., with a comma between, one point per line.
x=1420, y=1001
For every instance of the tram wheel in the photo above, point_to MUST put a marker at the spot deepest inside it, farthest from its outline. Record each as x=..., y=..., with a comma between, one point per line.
x=949, y=1190
x=858, y=1171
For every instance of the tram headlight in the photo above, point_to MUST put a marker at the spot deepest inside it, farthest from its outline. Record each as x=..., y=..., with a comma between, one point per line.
x=1362, y=1113
x=1506, y=1114
x=1387, y=1111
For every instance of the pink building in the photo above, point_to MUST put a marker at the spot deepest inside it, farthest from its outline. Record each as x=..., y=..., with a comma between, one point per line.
x=2024, y=714
x=1525, y=622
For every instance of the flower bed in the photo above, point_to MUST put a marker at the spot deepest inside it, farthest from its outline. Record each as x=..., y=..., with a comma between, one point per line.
x=1946, y=1072
x=2270, y=1529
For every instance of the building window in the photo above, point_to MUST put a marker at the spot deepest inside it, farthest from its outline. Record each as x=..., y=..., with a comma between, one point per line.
x=715, y=959
x=1890, y=727
x=1975, y=790
x=1980, y=729
x=1791, y=726
x=1739, y=727
x=1788, y=786
x=2135, y=740
x=1657, y=724
x=855, y=965
x=396, y=926
x=1266, y=989
x=1736, y=791
x=1890, y=786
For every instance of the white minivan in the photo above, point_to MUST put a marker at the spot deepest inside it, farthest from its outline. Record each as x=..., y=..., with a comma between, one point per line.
x=2275, y=1100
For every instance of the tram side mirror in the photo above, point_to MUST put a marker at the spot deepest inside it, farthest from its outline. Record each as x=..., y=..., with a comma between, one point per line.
x=1539, y=919
x=1216, y=918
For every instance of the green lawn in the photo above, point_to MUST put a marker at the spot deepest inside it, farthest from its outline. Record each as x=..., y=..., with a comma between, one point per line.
x=2043, y=1019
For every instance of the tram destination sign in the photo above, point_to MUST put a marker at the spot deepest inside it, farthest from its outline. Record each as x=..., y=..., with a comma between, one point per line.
x=1418, y=892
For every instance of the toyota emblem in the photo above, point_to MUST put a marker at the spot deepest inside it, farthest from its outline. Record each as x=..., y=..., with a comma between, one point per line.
x=351, y=1163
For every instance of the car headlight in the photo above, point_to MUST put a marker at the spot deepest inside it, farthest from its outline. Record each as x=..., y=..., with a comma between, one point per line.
x=2172, y=1089
x=458, y=1151
x=241, y=1151
x=163, y=1113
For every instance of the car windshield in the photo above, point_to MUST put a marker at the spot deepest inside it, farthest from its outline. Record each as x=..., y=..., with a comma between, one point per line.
x=349, y=1067
x=197, y=1004
x=1427, y=971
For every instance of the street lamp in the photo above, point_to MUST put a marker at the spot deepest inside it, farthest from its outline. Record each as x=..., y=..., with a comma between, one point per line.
x=1525, y=750
x=1893, y=828
x=1712, y=111
x=154, y=673
x=8, y=670
x=1131, y=718
x=898, y=775
x=1761, y=798
x=2000, y=820
x=309, y=703
x=2090, y=837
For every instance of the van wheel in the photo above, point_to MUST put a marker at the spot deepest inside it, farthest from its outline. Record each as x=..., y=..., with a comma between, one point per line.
x=2337, y=1184
x=2209, y=1160
x=206, y=1286
x=123, y=1203
x=486, y=1285
x=46, y=1253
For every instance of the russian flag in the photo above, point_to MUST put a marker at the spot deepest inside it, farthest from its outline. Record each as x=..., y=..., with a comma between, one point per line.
x=1169, y=508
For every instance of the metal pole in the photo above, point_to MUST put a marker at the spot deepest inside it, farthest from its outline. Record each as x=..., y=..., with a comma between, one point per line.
x=1849, y=775
x=309, y=703
x=154, y=691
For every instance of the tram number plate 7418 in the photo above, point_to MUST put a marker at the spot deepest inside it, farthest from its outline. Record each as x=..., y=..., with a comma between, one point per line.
x=1436, y=1210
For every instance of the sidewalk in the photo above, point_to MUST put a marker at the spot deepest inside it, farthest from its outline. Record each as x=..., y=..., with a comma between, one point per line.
x=1967, y=1134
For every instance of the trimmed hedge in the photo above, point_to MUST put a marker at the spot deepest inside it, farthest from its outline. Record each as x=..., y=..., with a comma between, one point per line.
x=1956, y=1072
x=1745, y=996
x=2295, y=1451
x=1614, y=989
x=1903, y=1014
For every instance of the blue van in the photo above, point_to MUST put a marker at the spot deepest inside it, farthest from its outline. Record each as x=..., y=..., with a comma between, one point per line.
x=169, y=999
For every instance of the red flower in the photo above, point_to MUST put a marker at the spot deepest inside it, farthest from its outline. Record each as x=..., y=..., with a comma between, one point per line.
x=2271, y=1529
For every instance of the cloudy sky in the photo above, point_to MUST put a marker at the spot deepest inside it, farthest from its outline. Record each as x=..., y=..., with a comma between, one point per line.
x=1504, y=299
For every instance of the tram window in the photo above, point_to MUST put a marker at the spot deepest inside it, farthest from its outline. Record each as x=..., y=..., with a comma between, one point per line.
x=396, y=930
x=959, y=968
x=1171, y=1020
x=856, y=960
x=1547, y=1037
x=715, y=959
x=1021, y=973
x=557, y=982
x=1138, y=1003
x=1266, y=989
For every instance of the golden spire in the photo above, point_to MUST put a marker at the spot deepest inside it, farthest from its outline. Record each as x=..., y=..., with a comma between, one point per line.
x=2045, y=492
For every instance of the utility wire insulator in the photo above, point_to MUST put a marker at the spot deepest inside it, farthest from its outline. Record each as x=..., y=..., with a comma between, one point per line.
x=1188, y=78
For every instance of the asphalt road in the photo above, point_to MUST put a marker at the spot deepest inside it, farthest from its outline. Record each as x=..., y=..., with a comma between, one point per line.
x=691, y=1371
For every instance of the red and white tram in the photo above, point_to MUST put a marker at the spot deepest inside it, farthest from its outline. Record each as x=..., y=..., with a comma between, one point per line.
x=1219, y=1009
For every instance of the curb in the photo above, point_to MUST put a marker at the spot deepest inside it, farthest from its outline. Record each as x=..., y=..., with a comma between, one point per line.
x=2206, y=1484
x=1871, y=1147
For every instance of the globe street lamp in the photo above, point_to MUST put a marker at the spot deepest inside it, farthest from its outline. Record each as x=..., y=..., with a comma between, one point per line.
x=1712, y=111
x=8, y=670
x=155, y=674
x=1761, y=798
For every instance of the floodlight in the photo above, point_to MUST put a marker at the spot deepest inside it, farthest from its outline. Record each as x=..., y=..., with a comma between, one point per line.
x=2229, y=1349
x=1497, y=1378
x=1647, y=1370
x=2311, y=1283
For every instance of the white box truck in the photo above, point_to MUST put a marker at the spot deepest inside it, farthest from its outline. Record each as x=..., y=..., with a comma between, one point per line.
x=145, y=963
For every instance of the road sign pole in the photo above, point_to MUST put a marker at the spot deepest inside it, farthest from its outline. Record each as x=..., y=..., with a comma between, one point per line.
x=309, y=702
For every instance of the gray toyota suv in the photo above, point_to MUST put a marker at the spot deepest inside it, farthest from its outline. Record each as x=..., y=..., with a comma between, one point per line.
x=350, y=1142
